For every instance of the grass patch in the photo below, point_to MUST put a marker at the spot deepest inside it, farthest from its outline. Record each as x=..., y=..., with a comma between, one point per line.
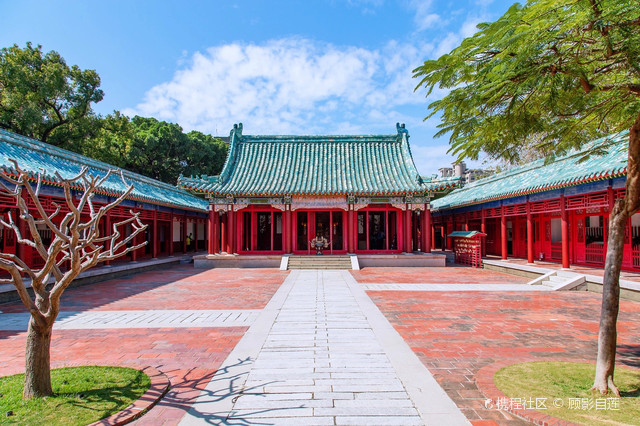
x=82, y=395
x=569, y=384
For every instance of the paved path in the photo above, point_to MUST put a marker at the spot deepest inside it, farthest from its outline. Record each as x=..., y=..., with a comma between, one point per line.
x=68, y=320
x=322, y=353
x=453, y=287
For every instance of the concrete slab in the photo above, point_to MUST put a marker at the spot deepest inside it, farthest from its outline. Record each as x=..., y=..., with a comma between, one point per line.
x=402, y=260
x=327, y=339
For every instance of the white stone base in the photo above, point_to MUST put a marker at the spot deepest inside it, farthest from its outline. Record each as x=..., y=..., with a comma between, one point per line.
x=402, y=260
x=236, y=261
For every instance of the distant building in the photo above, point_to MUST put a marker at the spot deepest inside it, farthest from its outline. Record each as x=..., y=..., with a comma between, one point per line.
x=467, y=175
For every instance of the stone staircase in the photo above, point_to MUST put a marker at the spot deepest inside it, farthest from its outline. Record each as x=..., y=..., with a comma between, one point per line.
x=559, y=280
x=319, y=262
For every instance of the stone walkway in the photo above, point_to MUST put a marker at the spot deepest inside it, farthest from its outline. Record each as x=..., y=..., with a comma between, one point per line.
x=322, y=353
x=452, y=287
x=137, y=319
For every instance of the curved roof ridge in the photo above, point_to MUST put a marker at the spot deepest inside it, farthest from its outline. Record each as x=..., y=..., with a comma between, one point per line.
x=286, y=164
x=33, y=146
x=563, y=171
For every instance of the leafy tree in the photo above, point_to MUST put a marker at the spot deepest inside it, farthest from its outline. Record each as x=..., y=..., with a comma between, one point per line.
x=206, y=154
x=41, y=97
x=158, y=149
x=162, y=151
x=561, y=72
x=111, y=141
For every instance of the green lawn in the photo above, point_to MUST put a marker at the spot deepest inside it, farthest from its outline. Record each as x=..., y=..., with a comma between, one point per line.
x=564, y=390
x=82, y=395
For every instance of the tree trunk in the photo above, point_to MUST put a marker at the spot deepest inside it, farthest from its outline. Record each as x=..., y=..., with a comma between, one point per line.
x=37, y=377
x=622, y=210
x=607, y=334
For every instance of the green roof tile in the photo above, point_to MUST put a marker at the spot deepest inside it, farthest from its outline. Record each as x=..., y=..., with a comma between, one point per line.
x=537, y=176
x=33, y=155
x=317, y=165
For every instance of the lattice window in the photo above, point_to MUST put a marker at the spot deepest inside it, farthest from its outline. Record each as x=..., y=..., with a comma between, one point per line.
x=475, y=214
x=515, y=210
x=597, y=200
x=494, y=212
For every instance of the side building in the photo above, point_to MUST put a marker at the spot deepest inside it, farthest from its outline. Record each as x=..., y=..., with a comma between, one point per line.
x=556, y=211
x=361, y=194
x=171, y=214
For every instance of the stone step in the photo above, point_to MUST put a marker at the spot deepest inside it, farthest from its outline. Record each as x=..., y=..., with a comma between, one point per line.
x=557, y=279
x=319, y=262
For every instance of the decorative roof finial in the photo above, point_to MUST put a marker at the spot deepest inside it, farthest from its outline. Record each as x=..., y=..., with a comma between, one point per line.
x=237, y=130
x=401, y=129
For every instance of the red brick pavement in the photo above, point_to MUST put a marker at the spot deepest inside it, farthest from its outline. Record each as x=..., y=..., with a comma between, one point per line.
x=443, y=275
x=188, y=356
x=455, y=334
x=178, y=287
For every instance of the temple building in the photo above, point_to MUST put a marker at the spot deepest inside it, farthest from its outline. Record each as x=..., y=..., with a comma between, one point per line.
x=281, y=194
x=171, y=214
x=554, y=211
x=358, y=195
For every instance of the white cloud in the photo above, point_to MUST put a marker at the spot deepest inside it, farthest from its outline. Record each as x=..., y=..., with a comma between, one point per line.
x=289, y=85
x=453, y=40
x=424, y=17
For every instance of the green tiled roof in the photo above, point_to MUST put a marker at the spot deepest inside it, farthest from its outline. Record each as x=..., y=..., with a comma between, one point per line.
x=538, y=177
x=317, y=165
x=33, y=155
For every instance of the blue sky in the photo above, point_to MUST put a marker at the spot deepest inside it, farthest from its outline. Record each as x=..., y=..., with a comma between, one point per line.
x=279, y=67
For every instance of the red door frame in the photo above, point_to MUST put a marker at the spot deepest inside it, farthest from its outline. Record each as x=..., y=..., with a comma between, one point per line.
x=253, y=211
x=311, y=222
x=400, y=225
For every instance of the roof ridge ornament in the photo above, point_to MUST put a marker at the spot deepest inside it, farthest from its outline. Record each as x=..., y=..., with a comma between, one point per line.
x=401, y=129
x=237, y=130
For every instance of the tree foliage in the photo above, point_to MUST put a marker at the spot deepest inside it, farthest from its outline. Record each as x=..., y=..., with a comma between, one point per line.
x=552, y=74
x=555, y=72
x=43, y=98
x=155, y=148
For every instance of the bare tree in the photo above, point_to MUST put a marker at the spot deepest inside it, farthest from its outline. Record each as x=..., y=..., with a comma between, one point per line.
x=76, y=243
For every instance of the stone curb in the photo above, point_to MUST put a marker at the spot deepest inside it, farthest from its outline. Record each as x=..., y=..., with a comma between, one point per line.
x=485, y=383
x=160, y=384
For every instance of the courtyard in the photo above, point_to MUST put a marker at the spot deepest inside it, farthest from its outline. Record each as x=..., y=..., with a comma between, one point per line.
x=318, y=351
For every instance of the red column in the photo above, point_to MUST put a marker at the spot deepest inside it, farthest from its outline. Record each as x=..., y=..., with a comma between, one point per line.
x=483, y=229
x=351, y=230
x=134, y=253
x=154, y=236
x=445, y=240
x=433, y=236
x=224, y=247
x=212, y=231
x=407, y=231
x=231, y=240
x=288, y=230
x=215, y=232
x=564, y=233
x=426, y=231
x=184, y=235
x=503, y=234
x=107, y=226
x=529, y=234
x=195, y=235
x=171, y=235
